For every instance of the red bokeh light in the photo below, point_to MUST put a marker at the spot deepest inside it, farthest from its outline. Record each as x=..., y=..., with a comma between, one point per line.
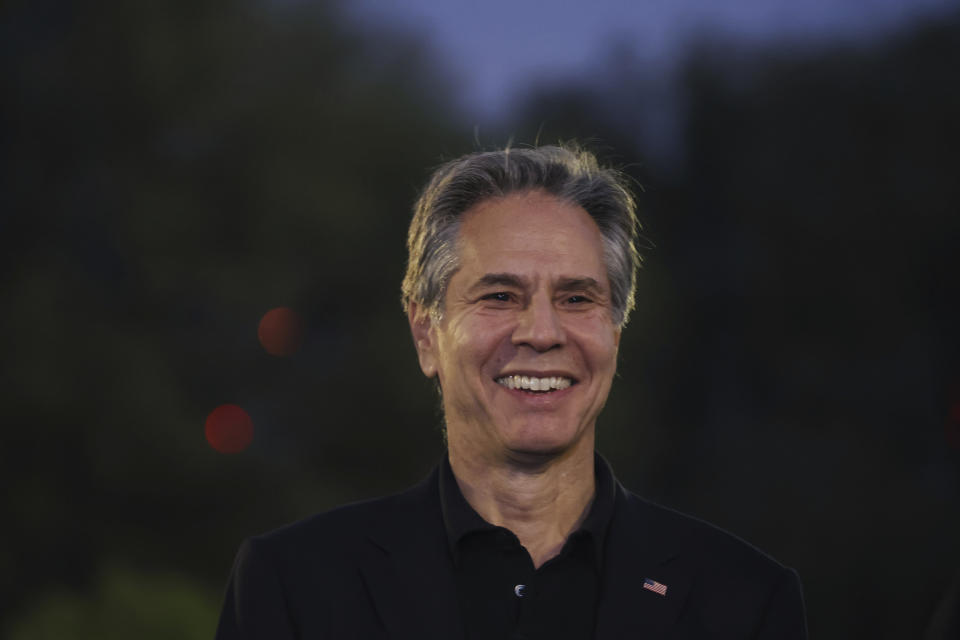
x=280, y=331
x=229, y=429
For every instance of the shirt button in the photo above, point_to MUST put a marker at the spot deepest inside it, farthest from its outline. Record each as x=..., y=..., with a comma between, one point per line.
x=520, y=590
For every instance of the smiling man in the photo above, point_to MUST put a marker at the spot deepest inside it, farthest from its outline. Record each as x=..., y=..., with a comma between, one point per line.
x=520, y=278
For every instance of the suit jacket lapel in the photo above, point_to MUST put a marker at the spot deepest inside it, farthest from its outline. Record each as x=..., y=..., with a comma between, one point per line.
x=407, y=568
x=640, y=547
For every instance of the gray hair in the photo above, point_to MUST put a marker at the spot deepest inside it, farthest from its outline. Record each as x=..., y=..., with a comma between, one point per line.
x=566, y=172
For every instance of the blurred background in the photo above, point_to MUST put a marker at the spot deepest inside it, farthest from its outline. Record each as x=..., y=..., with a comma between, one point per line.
x=202, y=217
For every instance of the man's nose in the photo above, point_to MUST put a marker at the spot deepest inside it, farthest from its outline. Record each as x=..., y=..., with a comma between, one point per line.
x=539, y=326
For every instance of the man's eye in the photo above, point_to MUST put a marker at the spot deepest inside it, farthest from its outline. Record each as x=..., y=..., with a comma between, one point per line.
x=578, y=299
x=499, y=296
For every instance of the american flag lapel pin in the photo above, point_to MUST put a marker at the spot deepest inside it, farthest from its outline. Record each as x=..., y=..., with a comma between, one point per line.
x=656, y=587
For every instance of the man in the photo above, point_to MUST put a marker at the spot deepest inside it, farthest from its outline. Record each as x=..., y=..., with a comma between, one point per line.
x=520, y=278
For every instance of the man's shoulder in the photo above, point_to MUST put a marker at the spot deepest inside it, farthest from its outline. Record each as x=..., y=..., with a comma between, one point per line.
x=311, y=572
x=713, y=547
x=728, y=587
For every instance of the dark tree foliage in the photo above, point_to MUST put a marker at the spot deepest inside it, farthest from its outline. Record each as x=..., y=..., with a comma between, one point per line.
x=170, y=173
x=820, y=237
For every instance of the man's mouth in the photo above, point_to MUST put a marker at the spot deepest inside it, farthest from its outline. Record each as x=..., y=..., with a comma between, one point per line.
x=538, y=385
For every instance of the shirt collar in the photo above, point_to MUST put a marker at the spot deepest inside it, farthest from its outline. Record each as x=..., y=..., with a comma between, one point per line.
x=459, y=518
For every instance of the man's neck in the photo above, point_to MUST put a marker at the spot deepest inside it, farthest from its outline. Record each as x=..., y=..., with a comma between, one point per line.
x=541, y=503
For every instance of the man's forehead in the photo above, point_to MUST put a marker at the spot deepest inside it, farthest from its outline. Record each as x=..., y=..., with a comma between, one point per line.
x=529, y=221
x=536, y=200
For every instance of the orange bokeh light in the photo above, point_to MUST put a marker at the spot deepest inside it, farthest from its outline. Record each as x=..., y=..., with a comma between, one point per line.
x=280, y=331
x=229, y=429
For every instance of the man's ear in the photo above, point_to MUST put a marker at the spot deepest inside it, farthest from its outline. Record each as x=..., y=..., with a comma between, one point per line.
x=424, y=338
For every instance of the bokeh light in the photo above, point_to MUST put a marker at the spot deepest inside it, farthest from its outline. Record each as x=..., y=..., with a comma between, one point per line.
x=229, y=429
x=280, y=331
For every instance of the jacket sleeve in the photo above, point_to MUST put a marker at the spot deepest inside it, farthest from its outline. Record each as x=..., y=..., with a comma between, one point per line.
x=254, y=607
x=785, y=617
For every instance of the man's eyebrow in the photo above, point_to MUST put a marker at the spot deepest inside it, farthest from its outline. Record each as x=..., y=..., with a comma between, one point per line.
x=499, y=280
x=584, y=283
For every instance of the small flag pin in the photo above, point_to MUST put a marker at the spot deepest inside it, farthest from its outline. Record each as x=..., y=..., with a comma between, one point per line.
x=656, y=587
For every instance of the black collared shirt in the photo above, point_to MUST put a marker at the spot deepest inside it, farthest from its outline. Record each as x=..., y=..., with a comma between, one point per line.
x=501, y=595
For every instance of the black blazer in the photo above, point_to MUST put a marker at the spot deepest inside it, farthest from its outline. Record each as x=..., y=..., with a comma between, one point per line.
x=382, y=569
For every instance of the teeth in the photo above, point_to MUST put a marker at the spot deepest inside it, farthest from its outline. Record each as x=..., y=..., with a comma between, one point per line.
x=535, y=384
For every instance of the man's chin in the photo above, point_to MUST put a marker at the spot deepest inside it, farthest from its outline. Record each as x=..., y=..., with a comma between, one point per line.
x=538, y=452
